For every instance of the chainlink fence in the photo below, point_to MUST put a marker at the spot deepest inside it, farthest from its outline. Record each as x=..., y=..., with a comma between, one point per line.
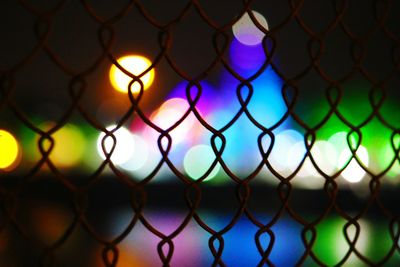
x=241, y=133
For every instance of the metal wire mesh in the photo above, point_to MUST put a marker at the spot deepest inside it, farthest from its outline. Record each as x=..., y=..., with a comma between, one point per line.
x=57, y=53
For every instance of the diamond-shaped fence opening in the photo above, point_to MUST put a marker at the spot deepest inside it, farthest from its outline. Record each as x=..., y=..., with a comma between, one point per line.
x=199, y=133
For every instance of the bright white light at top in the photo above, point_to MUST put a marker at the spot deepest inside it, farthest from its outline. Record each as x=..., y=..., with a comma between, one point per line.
x=353, y=172
x=169, y=113
x=125, y=145
x=246, y=31
x=198, y=160
x=139, y=156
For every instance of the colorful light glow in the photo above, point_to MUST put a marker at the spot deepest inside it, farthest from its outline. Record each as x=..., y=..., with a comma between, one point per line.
x=247, y=32
x=266, y=105
x=209, y=99
x=377, y=138
x=388, y=155
x=169, y=113
x=307, y=177
x=146, y=155
x=9, y=151
x=280, y=158
x=191, y=245
x=187, y=133
x=139, y=156
x=339, y=140
x=139, y=246
x=69, y=146
x=354, y=173
x=198, y=160
x=247, y=60
x=325, y=156
x=136, y=65
x=124, y=146
x=331, y=245
x=239, y=143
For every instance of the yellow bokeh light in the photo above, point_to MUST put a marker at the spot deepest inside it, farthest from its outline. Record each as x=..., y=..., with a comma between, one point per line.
x=69, y=146
x=9, y=150
x=135, y=65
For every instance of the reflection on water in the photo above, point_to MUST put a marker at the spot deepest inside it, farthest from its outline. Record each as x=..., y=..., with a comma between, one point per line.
x=161, y=231
x=191, y=245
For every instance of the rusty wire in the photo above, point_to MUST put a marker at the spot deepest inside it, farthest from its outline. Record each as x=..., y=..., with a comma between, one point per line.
x=77, y=88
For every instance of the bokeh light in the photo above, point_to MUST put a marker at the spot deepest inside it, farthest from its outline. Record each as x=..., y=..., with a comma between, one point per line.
x=325, y=156
x=69, y=145
x=9, y=150
x=266, y=95
x=297, y=152
x=136, y=65
x=388, y=154
x=377, y=138
x=240, y=141
x=146, y=155
x=124, y=146
x=307, y=177
x=139, y=156
x=246, y=60
x=246, y=31
x=283, y=158
x=331, y=245
x=354, y=173
x=339, y=140
x=208, y=101
x=198, y=160
x=169, y=113
x=139, y=246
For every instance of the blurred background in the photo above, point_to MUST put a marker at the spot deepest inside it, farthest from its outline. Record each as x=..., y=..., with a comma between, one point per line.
x=183, y=132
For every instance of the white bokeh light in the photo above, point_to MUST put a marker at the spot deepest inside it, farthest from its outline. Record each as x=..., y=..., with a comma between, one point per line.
x=353, y=173
x=280, y=158
x=307, y=177
x=246, y=31
x=147, y=154
x=325, y=155
x=125, y=145
x=139, y=156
